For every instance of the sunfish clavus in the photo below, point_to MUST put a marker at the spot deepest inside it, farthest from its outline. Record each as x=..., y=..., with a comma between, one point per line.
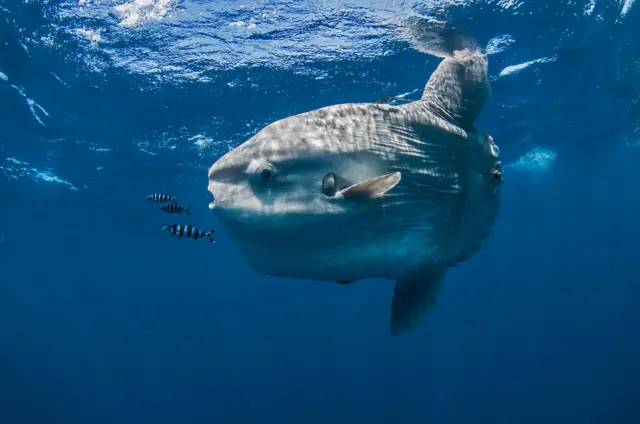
x=356, y=191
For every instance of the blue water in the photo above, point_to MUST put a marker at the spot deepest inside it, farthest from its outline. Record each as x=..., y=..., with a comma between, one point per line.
x=105, y=319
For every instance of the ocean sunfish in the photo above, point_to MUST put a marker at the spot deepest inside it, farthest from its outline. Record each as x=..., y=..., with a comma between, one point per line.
x=358, y=191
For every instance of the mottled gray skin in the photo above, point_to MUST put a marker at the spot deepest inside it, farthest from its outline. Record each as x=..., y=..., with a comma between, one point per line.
x=438, y=215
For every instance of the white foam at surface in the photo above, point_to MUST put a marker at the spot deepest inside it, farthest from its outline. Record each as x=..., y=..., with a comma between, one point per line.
x=137, y=12
x=58, y=78
x=51, y=178
x=279, y=35
x=536, y=160
x=32, y=105
x=510, y=4
x=408, y=93
x=626, y=6
x=242, y=24
x=500, y=43
x=16, y=161
x=23, y=169
x=200, y=140
x=200, y=35
x=143, y=150
x=92, y=35
x=517, y=68
x=48, y=40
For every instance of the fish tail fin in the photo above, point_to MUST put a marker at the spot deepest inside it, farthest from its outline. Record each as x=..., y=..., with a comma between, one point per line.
x=188, y=210
x=210, y=234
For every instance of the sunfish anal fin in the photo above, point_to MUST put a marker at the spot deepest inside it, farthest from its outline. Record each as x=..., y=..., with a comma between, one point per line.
x=372, y=188
x=412, y=298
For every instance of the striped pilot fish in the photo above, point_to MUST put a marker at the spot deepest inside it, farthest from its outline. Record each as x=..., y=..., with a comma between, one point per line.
x=159, y=197
x=188, y=230
x=175, y=208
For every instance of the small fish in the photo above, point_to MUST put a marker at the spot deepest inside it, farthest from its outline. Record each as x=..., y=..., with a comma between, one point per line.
x=175, y=208
x=188, y=230
x=159, y=197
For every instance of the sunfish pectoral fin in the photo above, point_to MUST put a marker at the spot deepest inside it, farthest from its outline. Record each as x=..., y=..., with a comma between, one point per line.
x=372, y=188
x=412, y=298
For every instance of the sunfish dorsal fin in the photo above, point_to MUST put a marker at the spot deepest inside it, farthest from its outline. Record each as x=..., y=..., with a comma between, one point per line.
x=412, y=298
x=372, y=188
x=459, y=88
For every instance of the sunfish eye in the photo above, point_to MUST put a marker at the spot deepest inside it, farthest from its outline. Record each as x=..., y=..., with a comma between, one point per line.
x=265, y=174
x=329, y=184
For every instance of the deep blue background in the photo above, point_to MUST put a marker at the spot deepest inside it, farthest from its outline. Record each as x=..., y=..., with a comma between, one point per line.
x=105, y=319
